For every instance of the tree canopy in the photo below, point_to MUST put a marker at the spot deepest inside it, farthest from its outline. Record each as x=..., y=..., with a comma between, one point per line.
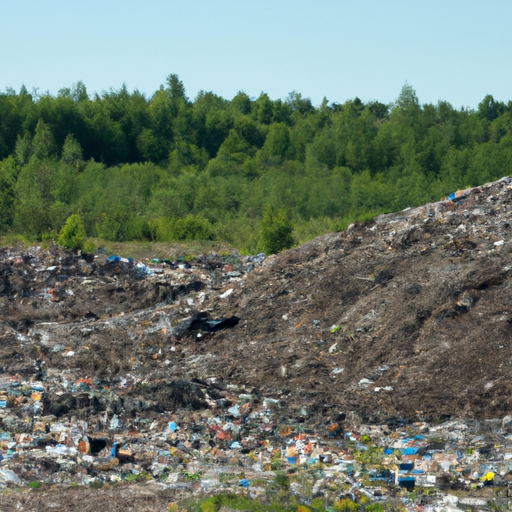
x=166, y=167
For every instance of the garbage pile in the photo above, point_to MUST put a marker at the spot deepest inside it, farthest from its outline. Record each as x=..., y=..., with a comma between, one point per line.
x=367, y=365
x=406, y=316
x=227, y=439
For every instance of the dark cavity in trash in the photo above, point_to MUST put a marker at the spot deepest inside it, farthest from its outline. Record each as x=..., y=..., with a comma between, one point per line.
x=201, y=322
x=96, y=445
x=407, y=482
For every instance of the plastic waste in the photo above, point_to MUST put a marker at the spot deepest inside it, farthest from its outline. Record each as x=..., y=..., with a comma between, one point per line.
x=114, y=422
x=8, y=476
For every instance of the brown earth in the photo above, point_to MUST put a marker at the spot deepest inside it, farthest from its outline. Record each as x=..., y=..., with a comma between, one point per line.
x=423, y=305
x=139, y=498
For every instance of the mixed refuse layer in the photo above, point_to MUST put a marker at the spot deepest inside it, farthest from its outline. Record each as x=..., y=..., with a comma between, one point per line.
x=369, y=365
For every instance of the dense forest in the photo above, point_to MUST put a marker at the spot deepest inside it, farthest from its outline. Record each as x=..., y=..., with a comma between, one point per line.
x=167, y=168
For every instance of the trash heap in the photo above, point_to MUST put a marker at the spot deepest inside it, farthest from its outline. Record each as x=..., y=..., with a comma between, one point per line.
x=228, y=439
x=367, y=365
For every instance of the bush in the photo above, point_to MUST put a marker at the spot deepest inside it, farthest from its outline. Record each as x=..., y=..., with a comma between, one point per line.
x=73, y=235
x=89, y=247
x=276, y=231
x=165, y=229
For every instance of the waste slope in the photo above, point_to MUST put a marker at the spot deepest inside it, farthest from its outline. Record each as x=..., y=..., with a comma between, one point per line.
x=407, y=316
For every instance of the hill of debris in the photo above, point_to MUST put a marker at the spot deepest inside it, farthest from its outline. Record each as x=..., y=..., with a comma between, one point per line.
x=407, y=316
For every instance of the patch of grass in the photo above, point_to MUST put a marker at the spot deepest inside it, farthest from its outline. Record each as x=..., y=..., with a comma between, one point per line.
x=140, y=477
x=15, y=241
x=163, y=250
x=234, y=501
x=226, y=477
x=96, y=484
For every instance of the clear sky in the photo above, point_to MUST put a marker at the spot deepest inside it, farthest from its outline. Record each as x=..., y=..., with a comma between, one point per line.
x=454, y=50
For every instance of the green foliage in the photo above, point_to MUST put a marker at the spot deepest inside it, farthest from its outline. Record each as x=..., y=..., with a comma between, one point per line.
x=375, y=507
x=346, y=505
x=168, y=168
x=275, y=460
x=89, y=247
x=7, y=193
x=142, y=476
x=73, y=235
x=235, y=502
x=43, y=144
x=281, y=480
x=191, y=227
x=71, y=151
x=276, y=231
x=191, y=477
x=318, y=505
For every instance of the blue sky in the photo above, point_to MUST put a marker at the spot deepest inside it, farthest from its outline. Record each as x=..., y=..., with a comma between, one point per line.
x=452, y=50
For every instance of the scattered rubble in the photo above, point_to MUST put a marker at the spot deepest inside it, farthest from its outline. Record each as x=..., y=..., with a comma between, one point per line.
x=368, y=365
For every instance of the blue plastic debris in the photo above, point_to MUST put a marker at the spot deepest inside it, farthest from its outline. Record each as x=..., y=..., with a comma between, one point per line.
x=235, y=410
x=408, y=482
x=243, y=483
x=114, y=450
x=114, y=259
x=410, y=451
x=172, y=426
x=388, y=451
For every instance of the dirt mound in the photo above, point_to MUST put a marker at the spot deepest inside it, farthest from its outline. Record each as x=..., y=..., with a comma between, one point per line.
x=405, y=316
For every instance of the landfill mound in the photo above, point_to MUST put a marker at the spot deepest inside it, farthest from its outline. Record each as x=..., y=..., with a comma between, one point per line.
x=211, y=373
x=407, y=316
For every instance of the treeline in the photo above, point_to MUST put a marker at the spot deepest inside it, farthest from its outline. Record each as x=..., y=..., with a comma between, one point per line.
x=168, y=168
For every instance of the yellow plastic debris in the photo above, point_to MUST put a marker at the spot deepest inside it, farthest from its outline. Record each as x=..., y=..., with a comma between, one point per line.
x=488, y=477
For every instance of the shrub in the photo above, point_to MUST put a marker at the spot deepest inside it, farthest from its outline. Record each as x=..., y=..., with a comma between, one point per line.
x=73, y=235
x=167, y=229
x=89, y=247
x=276, y=231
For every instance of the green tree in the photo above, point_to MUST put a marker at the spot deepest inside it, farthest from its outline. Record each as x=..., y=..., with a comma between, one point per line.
x=276, y=231
x=71, y=151
x=7, y=193
x=34, y=197
x=73, y=235
x=43, y=144
x=23, y=149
